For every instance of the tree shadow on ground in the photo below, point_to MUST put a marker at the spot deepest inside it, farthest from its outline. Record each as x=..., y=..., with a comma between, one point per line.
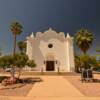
x=22, y=82
x=30, y=80
x=91, y=81
x=2, y=78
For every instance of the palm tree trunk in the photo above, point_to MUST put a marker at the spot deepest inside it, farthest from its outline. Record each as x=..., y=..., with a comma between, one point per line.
x=14, y=44
x=77, y=69
x=14, y=51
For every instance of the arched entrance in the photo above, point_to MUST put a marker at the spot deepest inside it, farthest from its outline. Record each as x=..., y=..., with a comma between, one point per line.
x=50, y=62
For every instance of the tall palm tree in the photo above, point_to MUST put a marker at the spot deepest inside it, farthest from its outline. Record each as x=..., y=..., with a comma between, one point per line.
x=16, y=29
x=98, y=55
x=22, y=46
x=84, y=39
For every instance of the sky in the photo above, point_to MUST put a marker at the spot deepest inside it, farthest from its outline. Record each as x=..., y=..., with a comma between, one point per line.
x=38, y=15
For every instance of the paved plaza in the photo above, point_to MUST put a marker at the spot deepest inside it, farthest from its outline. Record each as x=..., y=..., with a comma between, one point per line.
x=52, y=88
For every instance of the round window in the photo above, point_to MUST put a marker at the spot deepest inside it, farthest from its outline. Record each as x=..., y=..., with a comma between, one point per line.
x=50, y=45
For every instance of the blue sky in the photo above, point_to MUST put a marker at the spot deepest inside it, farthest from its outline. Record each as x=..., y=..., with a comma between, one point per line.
x=39, y=15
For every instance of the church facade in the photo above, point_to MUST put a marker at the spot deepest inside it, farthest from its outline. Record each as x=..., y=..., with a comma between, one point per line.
x=51, y=50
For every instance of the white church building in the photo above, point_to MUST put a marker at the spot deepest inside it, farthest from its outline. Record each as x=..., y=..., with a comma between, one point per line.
x=51, y=50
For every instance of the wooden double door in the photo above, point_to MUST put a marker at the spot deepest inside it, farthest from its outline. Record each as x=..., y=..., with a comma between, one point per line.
x=50, y=65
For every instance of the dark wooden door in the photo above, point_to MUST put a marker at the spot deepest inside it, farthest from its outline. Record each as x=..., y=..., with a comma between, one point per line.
x=49, y=65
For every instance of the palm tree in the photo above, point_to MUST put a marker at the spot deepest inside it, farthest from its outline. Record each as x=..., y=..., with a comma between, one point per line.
x=16, y=29
x=98, y=55
x=84, y=40
x=22, y=46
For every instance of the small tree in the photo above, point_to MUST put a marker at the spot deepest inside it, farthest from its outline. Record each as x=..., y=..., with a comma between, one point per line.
x=77, y=63
x=85, y=61
x=21, y=60
x=31, y=63
x=6, y=61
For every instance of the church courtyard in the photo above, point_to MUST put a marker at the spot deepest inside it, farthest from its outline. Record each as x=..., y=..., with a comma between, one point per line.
x=54, y=87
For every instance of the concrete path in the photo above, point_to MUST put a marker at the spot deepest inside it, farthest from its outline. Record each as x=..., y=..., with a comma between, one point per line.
x=54, y=86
